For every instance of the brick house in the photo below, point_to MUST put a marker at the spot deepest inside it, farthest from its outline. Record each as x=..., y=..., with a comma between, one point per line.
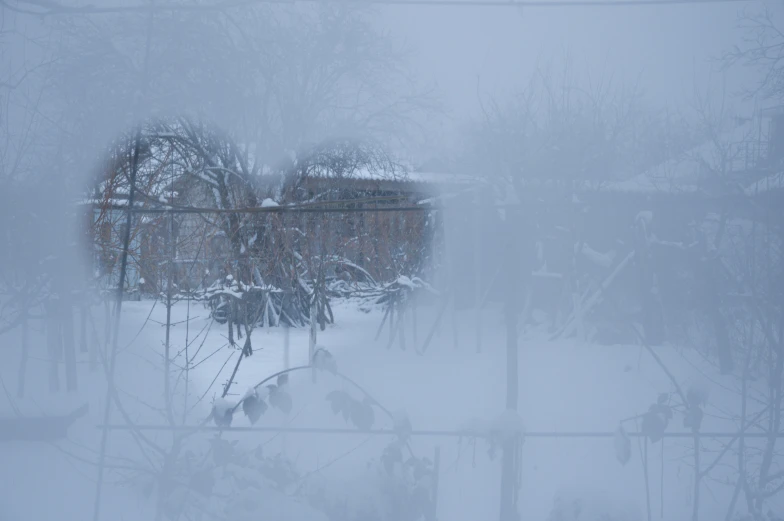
x=381, y=242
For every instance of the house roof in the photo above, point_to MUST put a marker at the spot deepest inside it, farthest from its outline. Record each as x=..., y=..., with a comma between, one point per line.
x=426, y=181
x=772, y=110
x=430, y=178
x=689, y=172
x=767, y=184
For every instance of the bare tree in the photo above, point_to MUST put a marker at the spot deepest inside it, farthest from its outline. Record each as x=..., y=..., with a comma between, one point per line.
x=749, y=256
x=761, y=49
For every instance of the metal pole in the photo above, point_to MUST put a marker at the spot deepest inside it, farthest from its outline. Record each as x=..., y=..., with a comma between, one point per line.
x=509, y=464
x=478, y=272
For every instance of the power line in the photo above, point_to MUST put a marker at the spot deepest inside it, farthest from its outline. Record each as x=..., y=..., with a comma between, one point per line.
x=51, y=8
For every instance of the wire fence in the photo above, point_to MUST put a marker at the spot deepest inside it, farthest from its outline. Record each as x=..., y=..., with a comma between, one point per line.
x=459, y=238
x=466, y=434
x=35, y=7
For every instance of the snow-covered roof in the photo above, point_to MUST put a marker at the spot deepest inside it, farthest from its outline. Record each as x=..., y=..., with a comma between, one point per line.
x=442, y=178
x=111, y=202
x=766, y=184
x=403, y=176
x=687, y=172
x=432, y=178
x=770, y=108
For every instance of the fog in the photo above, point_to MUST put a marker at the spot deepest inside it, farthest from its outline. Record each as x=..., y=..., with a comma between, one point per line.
x=666, y=50
x=391, y=260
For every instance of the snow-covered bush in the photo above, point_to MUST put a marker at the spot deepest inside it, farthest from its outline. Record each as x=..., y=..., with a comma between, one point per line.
x=229, y=482
x=392, y=487
x=224, y=481
x=259, y=305
x=395, y=486
x=767, y=516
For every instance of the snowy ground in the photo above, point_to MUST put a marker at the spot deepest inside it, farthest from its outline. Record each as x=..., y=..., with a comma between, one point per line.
x=563, y=386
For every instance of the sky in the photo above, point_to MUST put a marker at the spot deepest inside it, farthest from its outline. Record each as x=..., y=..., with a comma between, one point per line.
x=497, y=49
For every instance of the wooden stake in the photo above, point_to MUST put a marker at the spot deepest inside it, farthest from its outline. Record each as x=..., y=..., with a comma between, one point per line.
x=436, y=472
x=414, y=317
x=53, y=342
x=83, y=342
x=20, y=390
x=313, y=332
x=286, y=353
x=69, y=347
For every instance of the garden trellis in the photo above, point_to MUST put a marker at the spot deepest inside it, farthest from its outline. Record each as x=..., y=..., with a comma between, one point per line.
x=396, y=295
